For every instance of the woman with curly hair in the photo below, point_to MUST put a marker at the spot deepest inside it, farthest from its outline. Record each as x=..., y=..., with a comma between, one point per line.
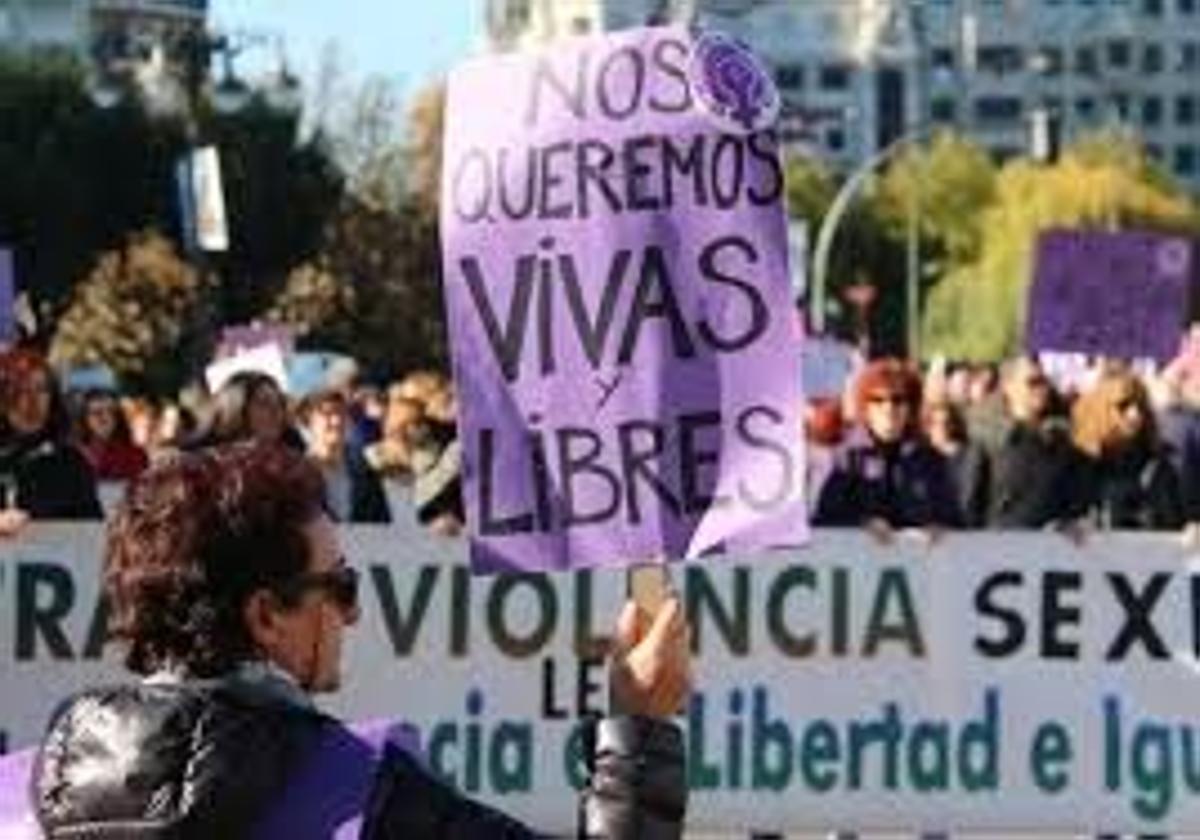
x=231, y=597
x=889, y=477
x=1133, y=484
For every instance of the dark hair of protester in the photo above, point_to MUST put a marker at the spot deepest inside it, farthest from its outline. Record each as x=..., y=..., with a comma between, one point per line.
x=93, y=398
x=50, y=477
x=192, y=540
x=250, y=405
x=103, y=435
x=229, y=589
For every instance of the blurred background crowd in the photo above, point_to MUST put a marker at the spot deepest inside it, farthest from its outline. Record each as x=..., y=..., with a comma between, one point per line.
x=68, y=455
x=1017, y=445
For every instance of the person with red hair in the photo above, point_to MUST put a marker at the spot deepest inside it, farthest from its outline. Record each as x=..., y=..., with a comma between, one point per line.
x=888, y=477
x=41, y=473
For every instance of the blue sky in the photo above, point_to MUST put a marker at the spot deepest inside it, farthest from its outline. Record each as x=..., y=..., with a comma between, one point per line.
x=408, y=41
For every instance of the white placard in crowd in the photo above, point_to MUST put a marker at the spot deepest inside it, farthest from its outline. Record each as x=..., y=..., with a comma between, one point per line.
x=998, y=682
x=266, y=358
x=797, y=239
x=212, y=231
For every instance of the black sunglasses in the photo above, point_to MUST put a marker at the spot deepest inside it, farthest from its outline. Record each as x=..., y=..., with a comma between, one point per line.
x=340, y=584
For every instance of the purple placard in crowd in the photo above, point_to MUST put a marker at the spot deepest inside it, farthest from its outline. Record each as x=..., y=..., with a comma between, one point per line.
x=1124, y=295
x=8, y=297
x=624, y=341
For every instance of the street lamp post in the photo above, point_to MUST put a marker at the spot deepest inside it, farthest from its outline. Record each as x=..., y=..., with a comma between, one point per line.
x=916, y=118
x=837, y=210
x=917, y=128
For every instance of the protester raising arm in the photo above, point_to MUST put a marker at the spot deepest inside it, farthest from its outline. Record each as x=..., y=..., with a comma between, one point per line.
x=231, y=596
x=636, y=789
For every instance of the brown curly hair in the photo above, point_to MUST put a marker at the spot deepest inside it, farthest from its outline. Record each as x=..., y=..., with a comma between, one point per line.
x=193, y=539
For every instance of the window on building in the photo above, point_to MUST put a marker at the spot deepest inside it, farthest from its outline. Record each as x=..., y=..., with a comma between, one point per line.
x=1085, y=61
x=1047, y=61
x=790, y=76
x=1152, y=59
x=516, y=13
x=835, y=77
x=1187, y=7
x=942, y=58
x=1119, y=103
x=581, y=25
x=1186, y=160
x=996, y=109
x=1185, y=110
x=1000, y=60
x=1085, y=107
x=835, y=140
x=1120, y=54
x=1152, y=111
x=943, y=110
x=1154, y=8
x=1189, y=57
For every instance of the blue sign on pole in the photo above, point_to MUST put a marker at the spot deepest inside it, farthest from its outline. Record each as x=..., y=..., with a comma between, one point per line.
x=8, y=282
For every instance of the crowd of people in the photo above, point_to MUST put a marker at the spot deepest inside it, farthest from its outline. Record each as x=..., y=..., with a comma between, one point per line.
x=967, y=446
x=1007, y=448
x=60, y=452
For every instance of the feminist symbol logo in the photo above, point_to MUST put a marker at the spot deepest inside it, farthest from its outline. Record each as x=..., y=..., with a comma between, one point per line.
x=732, y=85
x=1173, y=257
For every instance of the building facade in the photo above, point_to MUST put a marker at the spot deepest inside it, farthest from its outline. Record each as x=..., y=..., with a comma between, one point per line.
x=999, y=68
x=1017, y=76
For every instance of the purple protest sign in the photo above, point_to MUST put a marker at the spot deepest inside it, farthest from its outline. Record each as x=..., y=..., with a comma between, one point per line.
x=1124, y=295
x=624, y=342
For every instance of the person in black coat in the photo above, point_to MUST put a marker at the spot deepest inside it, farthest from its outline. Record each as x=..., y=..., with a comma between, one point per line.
x=1132, y=482
x=890, y=478
x=230, y=595
x=1038, y=477
x=353, y=490
x=946, y=430
x=42, y=474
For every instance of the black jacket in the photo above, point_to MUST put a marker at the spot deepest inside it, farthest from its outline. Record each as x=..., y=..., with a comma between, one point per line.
x=907, y=485
x=366, y=501
x=1038, y=478
x=971, y=470
x=1180, y=429
x=52, y=479
x=183, y=761
x=1138, y=490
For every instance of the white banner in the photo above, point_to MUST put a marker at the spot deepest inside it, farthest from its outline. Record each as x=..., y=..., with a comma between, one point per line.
x=997, y=682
